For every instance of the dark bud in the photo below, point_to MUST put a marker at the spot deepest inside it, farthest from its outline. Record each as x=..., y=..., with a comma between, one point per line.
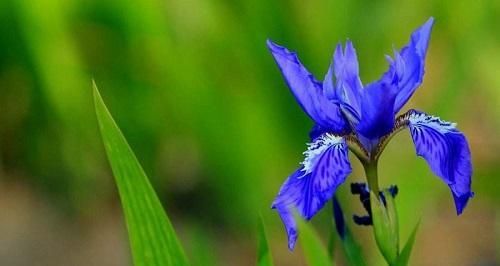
x=393, y=190
x=362, y=190
x=359, y=188
x=339, y=218
x=362, y=220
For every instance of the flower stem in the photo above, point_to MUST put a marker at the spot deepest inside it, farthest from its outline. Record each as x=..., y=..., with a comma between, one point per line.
x=372, y=175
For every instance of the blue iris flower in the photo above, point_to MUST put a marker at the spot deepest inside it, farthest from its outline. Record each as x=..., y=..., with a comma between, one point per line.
x=362, y=118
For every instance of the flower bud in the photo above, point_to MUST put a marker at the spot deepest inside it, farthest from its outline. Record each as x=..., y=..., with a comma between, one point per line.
x=385, y=225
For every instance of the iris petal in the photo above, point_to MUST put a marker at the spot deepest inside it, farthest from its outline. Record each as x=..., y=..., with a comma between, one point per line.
x=308, y=189
x=308, y=91
x=377, y=116
x=348, y=85
x=348, y=88
x=408, y=64
x=382, y=99
x=446, y=151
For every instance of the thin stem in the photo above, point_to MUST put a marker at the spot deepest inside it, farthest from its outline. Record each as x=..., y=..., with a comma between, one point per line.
x=400, y=124
x=372, y=175
x=357, y=149
x=359, y=154
x=385, y=141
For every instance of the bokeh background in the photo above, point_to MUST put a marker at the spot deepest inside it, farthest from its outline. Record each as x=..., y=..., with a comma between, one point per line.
x=203, y=105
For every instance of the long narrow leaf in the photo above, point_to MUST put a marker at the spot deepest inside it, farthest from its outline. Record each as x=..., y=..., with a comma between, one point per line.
x=314, y=249
x=331, y=244
x=152, y=237
x=264, y=257
x=404, y=257
x=350, y=247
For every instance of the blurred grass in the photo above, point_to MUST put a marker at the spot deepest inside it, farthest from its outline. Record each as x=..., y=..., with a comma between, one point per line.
x=314, y=249
x=264, y=255
x=152, y=238
x=205, y=107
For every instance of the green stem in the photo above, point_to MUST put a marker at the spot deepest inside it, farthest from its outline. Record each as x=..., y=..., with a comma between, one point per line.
x=372, y=175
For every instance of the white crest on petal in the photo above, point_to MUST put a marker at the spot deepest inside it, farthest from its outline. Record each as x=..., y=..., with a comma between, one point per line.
x=316, y=148
x=417, y=118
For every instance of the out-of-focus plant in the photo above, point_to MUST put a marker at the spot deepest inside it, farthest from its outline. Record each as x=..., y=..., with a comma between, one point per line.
x=362, y=119
x=152, y=238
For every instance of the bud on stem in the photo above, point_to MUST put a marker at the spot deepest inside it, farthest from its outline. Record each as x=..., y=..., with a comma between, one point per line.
x=384, y=216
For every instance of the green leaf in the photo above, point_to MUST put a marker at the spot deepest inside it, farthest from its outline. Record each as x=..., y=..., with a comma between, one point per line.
x=331, y=244
x=152, y=237
x=351, y=248
x=385, y=227
x=314, y=250
x=264, y=257
x=201, y=246
x=404, y=257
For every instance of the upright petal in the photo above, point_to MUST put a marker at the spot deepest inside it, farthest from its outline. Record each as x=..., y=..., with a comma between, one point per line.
x=377, y=116
x=382, y=99
x=408, y=64
x=349, y=85
x=308, y=189
x=348, y=88
x=308, y=91
x=446, y=151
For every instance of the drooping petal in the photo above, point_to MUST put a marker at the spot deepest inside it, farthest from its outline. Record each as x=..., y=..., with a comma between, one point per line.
x=377, y=116
x=407, y=68
x=308, y=189
x=308, y=91
x=348, y=88
x=446, y=151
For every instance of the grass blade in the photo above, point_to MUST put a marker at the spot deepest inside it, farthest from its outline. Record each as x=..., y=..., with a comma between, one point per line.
x=350, y=247
x=264, y=257
x=404, y=256
x=312, y=246
x=151, y=235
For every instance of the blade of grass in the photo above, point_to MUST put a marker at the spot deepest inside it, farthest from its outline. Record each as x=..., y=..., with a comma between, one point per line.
x=314, y=250
x=264, y=257
x=350, y=247
x=201, y=246
x=152, y=238
x=331, y=244
x=404, y=257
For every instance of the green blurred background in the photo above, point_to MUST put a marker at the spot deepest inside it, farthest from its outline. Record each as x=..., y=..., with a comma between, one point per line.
x=202, y=103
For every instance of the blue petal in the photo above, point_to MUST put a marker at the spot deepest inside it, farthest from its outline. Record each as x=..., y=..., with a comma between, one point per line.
x=348, y=85
x=382, y=99
x=317, y=131
x=308, y=91
x=377, y=116
x=308, y=189
x=407, y=68
x=348, y=88
x=446, y=151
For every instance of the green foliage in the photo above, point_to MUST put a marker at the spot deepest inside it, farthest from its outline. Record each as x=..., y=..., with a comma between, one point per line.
x=314, y=250
x=351, y=248
x=264, y=257
x=404, y=257
x=331, y=244
x=385, y=226
x=152, y=237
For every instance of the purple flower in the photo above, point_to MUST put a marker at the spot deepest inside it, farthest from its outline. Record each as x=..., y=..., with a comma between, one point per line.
x=362, y=118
